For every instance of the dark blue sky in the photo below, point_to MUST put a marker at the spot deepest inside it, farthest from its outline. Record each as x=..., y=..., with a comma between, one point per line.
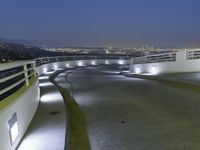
x=118, y=23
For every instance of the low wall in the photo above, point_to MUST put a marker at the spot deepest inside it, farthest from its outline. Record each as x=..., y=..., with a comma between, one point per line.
x=53, y=66
x=25, y=107
x=25, y=103
x=180, y=65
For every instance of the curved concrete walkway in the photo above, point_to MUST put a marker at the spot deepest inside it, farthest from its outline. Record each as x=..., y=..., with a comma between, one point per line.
x=135, y=114
x=47, y=130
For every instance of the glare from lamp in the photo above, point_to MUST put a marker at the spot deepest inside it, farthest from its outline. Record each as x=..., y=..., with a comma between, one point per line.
x=121, y=62
x=44, y=69
x=55, y=67
x=154, y=70
x=137, y=70
x=80, y=63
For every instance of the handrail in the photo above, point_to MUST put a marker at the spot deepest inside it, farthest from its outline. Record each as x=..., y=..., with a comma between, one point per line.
x=164, y=57
x=193, y=54
x=29, y=68
x=15, y=79
x=11, y=86
x=46, y=60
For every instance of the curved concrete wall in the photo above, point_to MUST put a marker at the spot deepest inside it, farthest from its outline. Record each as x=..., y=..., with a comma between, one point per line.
x=25, y=107
x=53, y=66
x=26, y=104
x=180, y=65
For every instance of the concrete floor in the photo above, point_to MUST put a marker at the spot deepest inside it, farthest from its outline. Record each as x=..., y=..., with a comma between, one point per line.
x=135, y=114
x=48, y=127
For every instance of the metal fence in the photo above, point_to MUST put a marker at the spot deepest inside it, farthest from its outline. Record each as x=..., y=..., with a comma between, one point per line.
x=165, y=57
x=193, y=54
x=14, y=75
x=46, y=60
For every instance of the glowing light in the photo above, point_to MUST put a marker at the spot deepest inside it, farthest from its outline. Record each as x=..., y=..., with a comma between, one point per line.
x=45, y=84
x=49, y=72
x=107, y=62
x=154, y=70
x=93, y=62
x=43, y=77
x=14, y=132
x=44, y=69
x=67, y=65
x=50, y=97
x=137, y=70
x=55, y=67
x=80, y=63
x=121, y=62
x=13, y=128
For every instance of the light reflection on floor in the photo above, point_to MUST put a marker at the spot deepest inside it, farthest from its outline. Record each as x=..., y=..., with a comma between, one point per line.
x=47, y=131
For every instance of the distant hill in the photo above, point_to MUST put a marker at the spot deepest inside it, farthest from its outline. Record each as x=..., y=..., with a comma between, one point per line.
x=12, y=51
x=17, y=41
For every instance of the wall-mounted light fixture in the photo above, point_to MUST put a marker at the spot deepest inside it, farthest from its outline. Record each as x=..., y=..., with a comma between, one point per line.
x=154, y=69
x=93, y=62
x=137, y=70
x=121, y=62
x=13, y=128
x=55, y=66
x=80, y=63
x=44, y=69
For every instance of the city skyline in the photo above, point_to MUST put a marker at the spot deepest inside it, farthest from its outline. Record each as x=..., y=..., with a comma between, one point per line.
x=103, y=23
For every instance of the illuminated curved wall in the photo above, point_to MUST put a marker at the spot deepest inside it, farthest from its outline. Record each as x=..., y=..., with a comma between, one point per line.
x=24, y=107
x=180, y=65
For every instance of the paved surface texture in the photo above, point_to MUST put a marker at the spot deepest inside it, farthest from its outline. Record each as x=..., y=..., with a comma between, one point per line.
x=48, y=127
x=135, y=114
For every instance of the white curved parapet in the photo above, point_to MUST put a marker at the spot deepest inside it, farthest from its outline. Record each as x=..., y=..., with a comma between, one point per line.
x=182, y=61
x=18, y=108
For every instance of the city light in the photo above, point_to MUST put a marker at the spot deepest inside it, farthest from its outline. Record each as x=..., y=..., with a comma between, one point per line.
x=67, y=65
x=93, y=63
x=107, y=62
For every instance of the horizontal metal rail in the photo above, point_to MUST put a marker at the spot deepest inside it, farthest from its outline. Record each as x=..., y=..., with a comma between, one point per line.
x=193, y=54
x=46, y=60
x=11, y=76
x=165, y=57
x=11, y=86
x=29, y=68
x=13, y=80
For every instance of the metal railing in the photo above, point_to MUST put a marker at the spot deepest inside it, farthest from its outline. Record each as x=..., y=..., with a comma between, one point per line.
x=14, y=75
x=46, y=60
x=193, y=54
x=165, y=57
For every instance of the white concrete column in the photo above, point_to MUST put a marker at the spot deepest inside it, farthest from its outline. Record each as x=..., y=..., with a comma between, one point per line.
x=26, y=75
x=34, y=69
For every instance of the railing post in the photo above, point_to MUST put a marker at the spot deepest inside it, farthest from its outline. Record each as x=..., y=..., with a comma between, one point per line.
x=26, y=75
x=34, y=69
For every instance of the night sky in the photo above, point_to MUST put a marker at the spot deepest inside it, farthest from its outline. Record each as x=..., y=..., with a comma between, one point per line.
x=117, y=23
